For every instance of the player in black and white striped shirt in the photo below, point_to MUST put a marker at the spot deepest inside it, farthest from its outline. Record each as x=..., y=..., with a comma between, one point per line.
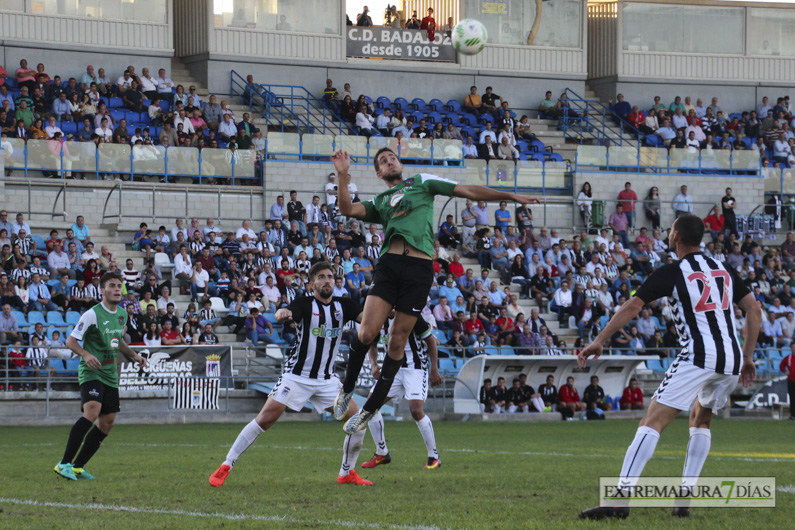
x=410, y=382
x=701, y=291
x=308, y=372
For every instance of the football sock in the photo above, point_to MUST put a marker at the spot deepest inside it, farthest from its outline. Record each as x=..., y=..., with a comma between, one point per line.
x=426, y=430
x=512, y=408
x=697, y=451
x=76, y=435
x=350, y=452
x=247, y=436
x=638, y=454
x=538, y=403
x=389, y=370
x=376, y=426
x=358, y=351
x=90, y=446
x=497, y=409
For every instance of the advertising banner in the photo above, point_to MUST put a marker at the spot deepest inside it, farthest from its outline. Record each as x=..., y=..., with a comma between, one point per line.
x=169, y=362
x=405, y=44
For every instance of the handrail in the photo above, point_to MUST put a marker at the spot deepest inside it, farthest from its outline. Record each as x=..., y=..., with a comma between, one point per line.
x=44, y=183
x=107, y=200
x=270, y=97
x=601, y=109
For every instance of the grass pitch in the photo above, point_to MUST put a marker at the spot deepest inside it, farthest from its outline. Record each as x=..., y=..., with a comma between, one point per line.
x=493, y=475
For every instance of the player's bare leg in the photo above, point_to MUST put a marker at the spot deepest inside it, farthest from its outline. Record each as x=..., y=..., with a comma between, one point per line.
x=376, y=311
x=402, y=326
x=657, y=418
x=350, y=454
x=270, y=413
x=697, y=451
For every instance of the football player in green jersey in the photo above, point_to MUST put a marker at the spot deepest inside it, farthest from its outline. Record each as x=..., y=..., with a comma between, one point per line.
x=404, y=272
x=100, y=329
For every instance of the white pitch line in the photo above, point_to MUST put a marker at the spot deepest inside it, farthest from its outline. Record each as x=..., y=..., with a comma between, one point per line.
x=216, y=515
x=447, y=450
x=786, y=489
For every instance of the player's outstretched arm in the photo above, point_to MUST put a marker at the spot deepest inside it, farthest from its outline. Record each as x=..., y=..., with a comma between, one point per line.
x=342, y=163
x=283, y=315
x=623, y=316
x=131, y=354
x=753, y=319
x=482, y=193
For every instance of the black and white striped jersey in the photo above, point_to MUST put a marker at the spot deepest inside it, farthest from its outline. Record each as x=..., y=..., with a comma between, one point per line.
x=416, y=350
x=319, y=329
x=701, y=291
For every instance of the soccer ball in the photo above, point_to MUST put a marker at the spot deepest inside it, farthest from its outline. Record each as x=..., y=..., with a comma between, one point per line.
x=469, y=37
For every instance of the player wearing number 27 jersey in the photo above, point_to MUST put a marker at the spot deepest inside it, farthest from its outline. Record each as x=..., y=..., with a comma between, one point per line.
x=702, y=293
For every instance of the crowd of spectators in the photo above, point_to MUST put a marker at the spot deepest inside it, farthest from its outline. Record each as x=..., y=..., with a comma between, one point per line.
x=139, y=110
x=700, y=128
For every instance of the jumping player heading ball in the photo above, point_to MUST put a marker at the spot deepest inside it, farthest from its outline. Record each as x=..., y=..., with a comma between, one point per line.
x=404, y=272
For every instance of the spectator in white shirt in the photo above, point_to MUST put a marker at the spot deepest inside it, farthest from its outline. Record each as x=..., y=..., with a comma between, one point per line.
x=105, y=132
x=781, y=149
x=183, y=265
x=364, y=122
x=52, y=127
x=187, y=126
x=488, y=132
x=164, y=85
x=470, y=149
x=227, y=130
x=148, y=84
x=680, y=120
x=210, y=226
x=246, y=230
x=384, y=122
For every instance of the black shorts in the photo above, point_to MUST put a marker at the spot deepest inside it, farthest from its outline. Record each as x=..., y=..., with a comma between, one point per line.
x=403, y=281
x=99, y=391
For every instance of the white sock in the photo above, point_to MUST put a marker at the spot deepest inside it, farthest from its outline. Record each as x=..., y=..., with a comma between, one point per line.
x=426, y=430
x=538, y=403
x=512, y=408
x=638, y=454
x=376, y=426
x=247, y=436
x=697, y=451
x=350, y=452
x=497, y=409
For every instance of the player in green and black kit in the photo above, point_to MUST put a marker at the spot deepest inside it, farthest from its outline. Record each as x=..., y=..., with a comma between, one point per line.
x=404, y=273
x=100, y=329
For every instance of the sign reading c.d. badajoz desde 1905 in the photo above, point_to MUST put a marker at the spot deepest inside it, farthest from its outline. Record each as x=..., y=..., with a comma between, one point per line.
x=406, y=44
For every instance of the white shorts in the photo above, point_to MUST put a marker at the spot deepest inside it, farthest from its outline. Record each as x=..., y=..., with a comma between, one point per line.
x=294, y=391
x=409, y=383
x=684, y=382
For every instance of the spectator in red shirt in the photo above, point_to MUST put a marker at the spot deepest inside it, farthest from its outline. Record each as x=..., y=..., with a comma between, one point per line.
x=714, y=222
x=285, y=274
x=788, y=367
x=505, y=323
x=628, y=198
x=633, y=396
x=569, y=398
x=455, y=267
x=429, y=24
x=474, y=327
x=170, y=336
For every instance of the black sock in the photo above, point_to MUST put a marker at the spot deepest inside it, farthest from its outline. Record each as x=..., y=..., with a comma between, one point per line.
x=79, y=430
x=388, y=372
x=355, y=361
x=93, y=441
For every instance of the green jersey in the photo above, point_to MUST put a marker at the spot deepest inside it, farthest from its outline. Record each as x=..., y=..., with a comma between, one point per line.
x=101, y=332
x=406, y=210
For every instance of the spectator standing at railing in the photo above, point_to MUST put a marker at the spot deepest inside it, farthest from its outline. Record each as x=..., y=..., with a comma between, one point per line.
x=618, y=223
x=628, y=200
x=728, y=205
x=682, y=203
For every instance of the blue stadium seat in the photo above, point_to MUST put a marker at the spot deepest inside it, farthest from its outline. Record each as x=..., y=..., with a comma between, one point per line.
x=447, y=365
x=748, y=142
x=436, y=104
x=118, y=115
x=652, y=140
x=418, y=104
x=35, y=317
x=440, y=335
x=165, y=106
x=415, y=118
x=537, y=146
x=147, y=103
x=116, y=103
x=401, y=103
x=382, y=102
x=453, y=105
x=40, y=245
x=72, y=317
x=21, y=318
x=11, y=82
x=538, y=157
x=655, y=366
x=54, y=318
x=69, y=127
x=434, y=117
x=491, y=350
x=554, y=157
